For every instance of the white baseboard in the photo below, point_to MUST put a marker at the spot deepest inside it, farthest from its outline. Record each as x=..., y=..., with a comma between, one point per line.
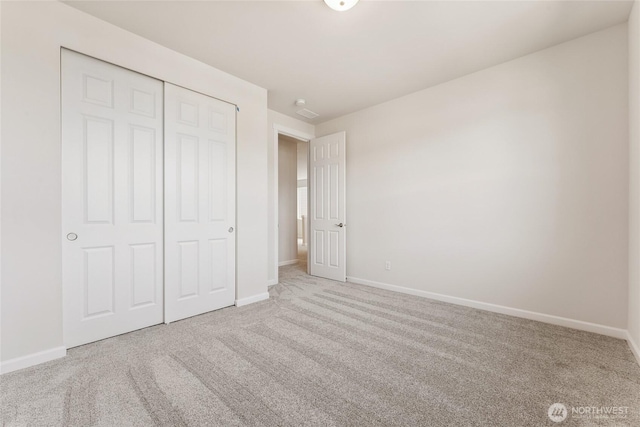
x=250, y=300
x=635, y=348
x=272, y=282
x=290, y=262
x=32, y=359
x=516, y=312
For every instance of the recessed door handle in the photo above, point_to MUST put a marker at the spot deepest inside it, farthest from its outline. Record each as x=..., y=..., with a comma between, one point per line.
x=340, y=225
x=72, y=236
x=230, y=229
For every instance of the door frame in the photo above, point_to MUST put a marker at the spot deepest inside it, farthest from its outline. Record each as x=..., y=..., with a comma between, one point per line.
x=301, y=136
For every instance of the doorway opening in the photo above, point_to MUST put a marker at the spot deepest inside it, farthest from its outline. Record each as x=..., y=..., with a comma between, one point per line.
x=324, y=228
x=292, y=230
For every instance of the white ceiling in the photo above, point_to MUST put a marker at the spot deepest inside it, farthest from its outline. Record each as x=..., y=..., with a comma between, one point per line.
x=345, y=61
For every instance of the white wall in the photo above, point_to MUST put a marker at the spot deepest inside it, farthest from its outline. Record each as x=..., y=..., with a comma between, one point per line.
x=302, y=159
x=32, y=34
x=277, y=119
x=507, y=186
x=287, y=200
x=634, y=178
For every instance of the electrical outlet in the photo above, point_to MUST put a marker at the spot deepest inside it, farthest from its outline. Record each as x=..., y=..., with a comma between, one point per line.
x=387, y=265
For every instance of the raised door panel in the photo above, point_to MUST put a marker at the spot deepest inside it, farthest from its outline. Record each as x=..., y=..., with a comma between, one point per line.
x=143, y=103
x=333, y=249
x=97, y=89
x=187, y=177
x=219, y=262
x=318, y=244
x=189, y=263
x=333, y=192
x=143, y=275
x=319, y=196
x=99, y=282
x=217, y=181
x=187, y=113
x=98, y=170
x=143, y=174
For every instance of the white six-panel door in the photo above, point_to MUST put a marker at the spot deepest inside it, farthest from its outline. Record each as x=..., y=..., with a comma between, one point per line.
x=199, y=203
x=112, y=150
x=327, y=219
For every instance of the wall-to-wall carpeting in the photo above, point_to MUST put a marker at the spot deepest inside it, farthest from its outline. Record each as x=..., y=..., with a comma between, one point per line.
x=330, y=354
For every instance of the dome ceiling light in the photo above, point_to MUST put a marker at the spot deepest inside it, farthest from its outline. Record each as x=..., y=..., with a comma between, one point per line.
x=341, y=5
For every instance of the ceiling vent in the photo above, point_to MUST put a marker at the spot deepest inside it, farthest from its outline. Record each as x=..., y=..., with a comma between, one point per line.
x=307, y=113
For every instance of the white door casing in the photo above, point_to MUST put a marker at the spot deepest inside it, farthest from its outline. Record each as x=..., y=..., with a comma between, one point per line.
x=200, y=149
x=112, y=199
x=327, y=218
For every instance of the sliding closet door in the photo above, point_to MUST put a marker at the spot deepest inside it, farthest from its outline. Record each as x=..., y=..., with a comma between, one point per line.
x=199, y=203
x=112, y=199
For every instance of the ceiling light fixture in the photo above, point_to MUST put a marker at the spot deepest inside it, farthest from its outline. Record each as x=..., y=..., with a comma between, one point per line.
x=341, y=5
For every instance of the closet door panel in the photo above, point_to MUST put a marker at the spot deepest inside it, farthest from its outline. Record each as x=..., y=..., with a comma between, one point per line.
x=112, y=197
x=199, y=203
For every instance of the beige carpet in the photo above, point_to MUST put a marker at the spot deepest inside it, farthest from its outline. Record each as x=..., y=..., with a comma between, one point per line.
x=321, y=353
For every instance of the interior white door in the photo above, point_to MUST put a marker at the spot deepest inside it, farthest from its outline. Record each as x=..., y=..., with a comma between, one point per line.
x=200, y=149
x=327, y=220
x=111, y=199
